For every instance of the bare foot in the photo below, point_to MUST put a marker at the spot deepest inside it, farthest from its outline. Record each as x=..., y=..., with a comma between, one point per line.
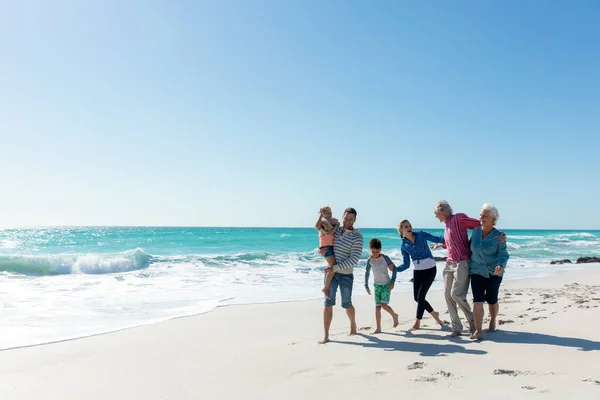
x=395, y=317
x=492, y=327
x=376, y=331
x=325, y=340
x=472, y=326
x=415, y=327
x=436, y=316
x=476, y=336
x=455, y=334
x=353, y=329
x=326, y=292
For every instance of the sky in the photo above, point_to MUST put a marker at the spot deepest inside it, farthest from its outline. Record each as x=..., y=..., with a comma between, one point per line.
x=256, y=113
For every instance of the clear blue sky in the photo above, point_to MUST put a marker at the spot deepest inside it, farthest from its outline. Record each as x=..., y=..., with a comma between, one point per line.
x=255, y=113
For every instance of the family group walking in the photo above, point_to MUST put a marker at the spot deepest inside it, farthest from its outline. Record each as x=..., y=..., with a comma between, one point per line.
x=479, y=261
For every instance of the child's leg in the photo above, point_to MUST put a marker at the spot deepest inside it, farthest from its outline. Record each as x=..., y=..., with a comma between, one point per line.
x=377, y=319
x=392, y=313
x=330, y=260
x=328, y=277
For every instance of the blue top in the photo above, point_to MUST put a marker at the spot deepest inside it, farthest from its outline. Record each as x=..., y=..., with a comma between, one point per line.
x=418, y=251
x=488, y=253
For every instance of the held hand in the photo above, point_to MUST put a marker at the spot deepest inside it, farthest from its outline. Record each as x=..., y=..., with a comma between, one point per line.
x=502, y=238
x=328, y=269
x=368, y=290
x=391, y=286
x=322, y=251
x=498, y=270
x=435, y=246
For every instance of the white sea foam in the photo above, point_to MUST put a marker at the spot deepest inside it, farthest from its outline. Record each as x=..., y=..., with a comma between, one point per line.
x=92, y=293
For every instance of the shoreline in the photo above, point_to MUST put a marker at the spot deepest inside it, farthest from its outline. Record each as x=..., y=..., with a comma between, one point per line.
x=357, y=293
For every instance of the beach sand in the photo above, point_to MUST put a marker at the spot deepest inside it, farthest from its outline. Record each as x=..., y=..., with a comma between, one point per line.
x=547, y=346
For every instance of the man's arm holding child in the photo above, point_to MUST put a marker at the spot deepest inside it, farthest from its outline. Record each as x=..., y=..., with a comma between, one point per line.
x=355, y=252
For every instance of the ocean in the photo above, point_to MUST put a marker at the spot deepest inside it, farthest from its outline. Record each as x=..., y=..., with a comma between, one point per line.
x=61, y=283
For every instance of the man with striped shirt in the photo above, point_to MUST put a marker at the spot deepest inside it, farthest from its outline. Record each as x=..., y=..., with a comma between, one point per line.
x=456, y=273
x=347, y=248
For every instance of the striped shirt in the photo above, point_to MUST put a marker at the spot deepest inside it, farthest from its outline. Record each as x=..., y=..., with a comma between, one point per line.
x=456, y=237
x=347, y=248
x=417, y=251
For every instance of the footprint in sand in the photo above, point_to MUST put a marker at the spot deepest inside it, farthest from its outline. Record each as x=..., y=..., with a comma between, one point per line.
x=536, y=318
x=505, y=321
x=528, y=387
x=430, y=379
x=508, y=372
x=416, y=365
x=591, y=381
x=380, y=372
x=445, y=374
x=343, y=364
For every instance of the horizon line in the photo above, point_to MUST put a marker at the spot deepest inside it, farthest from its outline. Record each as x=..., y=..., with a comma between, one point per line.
x=255, y=227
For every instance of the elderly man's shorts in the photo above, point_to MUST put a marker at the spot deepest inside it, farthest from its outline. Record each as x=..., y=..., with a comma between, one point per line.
x=345, y=282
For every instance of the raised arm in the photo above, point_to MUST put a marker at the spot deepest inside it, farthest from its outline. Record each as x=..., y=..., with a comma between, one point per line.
x=336, y=223
x=469, y=223
x=318, y=223
x=406, y=262
x=432, y=238
x=355, y=252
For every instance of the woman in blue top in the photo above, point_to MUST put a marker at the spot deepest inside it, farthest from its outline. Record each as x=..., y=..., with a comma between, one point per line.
x=414, y=245
x=488, y=261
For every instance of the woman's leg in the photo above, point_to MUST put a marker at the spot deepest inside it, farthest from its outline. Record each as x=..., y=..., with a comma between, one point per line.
x=478, y=316
x=428, y=277
x=492, y=300
x=417, y=284
x=478, y=287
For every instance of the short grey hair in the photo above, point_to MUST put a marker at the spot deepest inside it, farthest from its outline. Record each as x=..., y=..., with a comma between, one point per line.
x=492, y=210
x=443, y=205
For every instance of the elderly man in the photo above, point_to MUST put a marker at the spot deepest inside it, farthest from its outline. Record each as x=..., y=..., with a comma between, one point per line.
x=347, y=248
x=456, y=273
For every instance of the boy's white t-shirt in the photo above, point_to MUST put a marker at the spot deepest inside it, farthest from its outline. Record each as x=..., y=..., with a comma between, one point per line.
x=380, y=269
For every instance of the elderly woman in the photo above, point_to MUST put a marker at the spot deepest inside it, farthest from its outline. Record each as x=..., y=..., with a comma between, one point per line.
x=488, y=261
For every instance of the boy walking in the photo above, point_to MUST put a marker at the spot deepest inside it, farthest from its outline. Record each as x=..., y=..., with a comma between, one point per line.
x=381, y=265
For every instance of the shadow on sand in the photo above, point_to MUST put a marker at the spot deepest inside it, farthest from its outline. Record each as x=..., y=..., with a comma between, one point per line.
x=512, y=337
x=424, y=349
x=503, y=336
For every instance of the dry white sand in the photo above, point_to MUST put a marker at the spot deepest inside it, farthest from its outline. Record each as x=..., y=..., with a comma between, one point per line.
x=547, y=346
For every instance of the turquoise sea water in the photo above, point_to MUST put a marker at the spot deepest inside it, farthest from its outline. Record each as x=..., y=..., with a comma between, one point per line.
x=66, y=282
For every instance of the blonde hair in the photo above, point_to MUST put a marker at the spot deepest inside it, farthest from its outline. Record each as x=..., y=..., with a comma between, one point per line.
x=400, y=227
